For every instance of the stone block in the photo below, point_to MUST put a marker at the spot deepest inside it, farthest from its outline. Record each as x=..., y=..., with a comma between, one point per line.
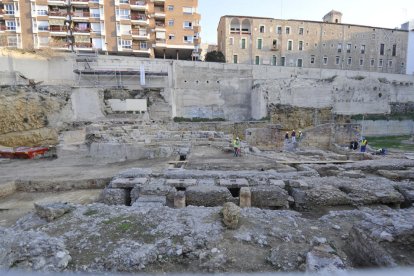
x=269, y=197
x=298, y=184
x=231, y=215
x=323, y=195
x=209, y=196
x=323, y=261
x=116, y=196
x=234, y=183
x=245, y=197
x=179, y=200
x=181, y=183
x=52, y=211
x=127, y=183
x=277, y=183
x=150, y=201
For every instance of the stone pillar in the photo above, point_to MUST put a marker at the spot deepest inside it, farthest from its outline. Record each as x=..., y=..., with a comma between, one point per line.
x=179, y=200
x=245, y=197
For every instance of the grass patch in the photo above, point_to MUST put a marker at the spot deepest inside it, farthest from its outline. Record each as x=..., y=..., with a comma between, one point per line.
x=90, y=212
x=390, y=142
x=125, y=226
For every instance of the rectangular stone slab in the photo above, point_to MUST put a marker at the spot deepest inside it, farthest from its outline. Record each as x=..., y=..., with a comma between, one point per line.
x=234, y=183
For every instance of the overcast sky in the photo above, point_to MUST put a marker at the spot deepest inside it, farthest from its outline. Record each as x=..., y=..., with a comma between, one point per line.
x=378, y=13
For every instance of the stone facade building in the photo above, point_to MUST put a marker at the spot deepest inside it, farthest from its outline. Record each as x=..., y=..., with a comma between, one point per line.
x=409, y=26
x=148, y=28
x=301, y=43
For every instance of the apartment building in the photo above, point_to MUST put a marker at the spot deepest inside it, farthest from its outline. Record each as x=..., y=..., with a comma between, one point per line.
x=147, y=28
x=312, y=44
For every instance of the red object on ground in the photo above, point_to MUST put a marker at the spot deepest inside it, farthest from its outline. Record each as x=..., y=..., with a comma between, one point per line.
x=23, y=152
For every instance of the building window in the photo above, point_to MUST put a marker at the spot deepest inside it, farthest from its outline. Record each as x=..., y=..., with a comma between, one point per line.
x=9, y=9
x=231, y=41
x=361, y=62
x=339, y=47
x=382, y=47
x=283, y=61
x=312, y=59
x=42, y=10
x=12, y=41
x=290, y=45
x=337, y=60
x=143, y=45
x=243, y=43
x=349, y=61
x=380, y=63
x=300, y=31
x=188, y=39
x=300, y=62
x=274, y=60
x=325, y=60
x=125, y=44
x=274, y=44
x=43, y=26
x=235, y=59
x=348, y=48
x=300, y=45
x=170, y=7
x=188, y=25
x=259, y=43
x=287, y=30
x=389, y=63
x=394, y=50
x=171, y=22
x=362, y=49
x=372, y=62
x=171, y=37
x=257, y=60
x=262, y=29
x=188, y=10
x=279, y=30
x=11, y=25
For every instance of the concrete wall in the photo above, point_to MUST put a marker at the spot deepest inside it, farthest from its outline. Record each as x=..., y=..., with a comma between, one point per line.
x=87, y=104
x=134, y=105
x=387, y=128
x=235, y=92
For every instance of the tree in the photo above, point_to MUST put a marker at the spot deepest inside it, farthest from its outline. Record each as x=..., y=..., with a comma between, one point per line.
x=215, y=56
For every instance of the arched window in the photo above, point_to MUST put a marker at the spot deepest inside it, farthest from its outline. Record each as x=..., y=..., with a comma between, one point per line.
x=235, y=25
x=246, y=26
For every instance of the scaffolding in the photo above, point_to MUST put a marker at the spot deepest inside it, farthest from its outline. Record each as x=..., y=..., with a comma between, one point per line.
x=92, y=74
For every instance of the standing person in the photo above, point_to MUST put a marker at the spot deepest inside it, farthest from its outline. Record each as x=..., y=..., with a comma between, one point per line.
x=236, y=147
x=293, y=136
x=287, y=136
x=364, y=143
x=299, y=135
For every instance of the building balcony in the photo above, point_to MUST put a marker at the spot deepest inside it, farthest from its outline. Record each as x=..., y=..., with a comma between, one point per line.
x=83, y=45
x=58, y=30
x=59, y=45
x=138, y=49
x=139, y=19
x=160, y=43
x=57, y=2
x=84, y=16
x=81, y=31
x=60, y=14
x=79, y=2
x=140, y=34
x=160, y=27
x=138, y=5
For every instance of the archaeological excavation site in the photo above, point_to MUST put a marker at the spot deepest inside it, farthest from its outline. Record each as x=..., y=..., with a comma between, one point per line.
x=115, y=164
